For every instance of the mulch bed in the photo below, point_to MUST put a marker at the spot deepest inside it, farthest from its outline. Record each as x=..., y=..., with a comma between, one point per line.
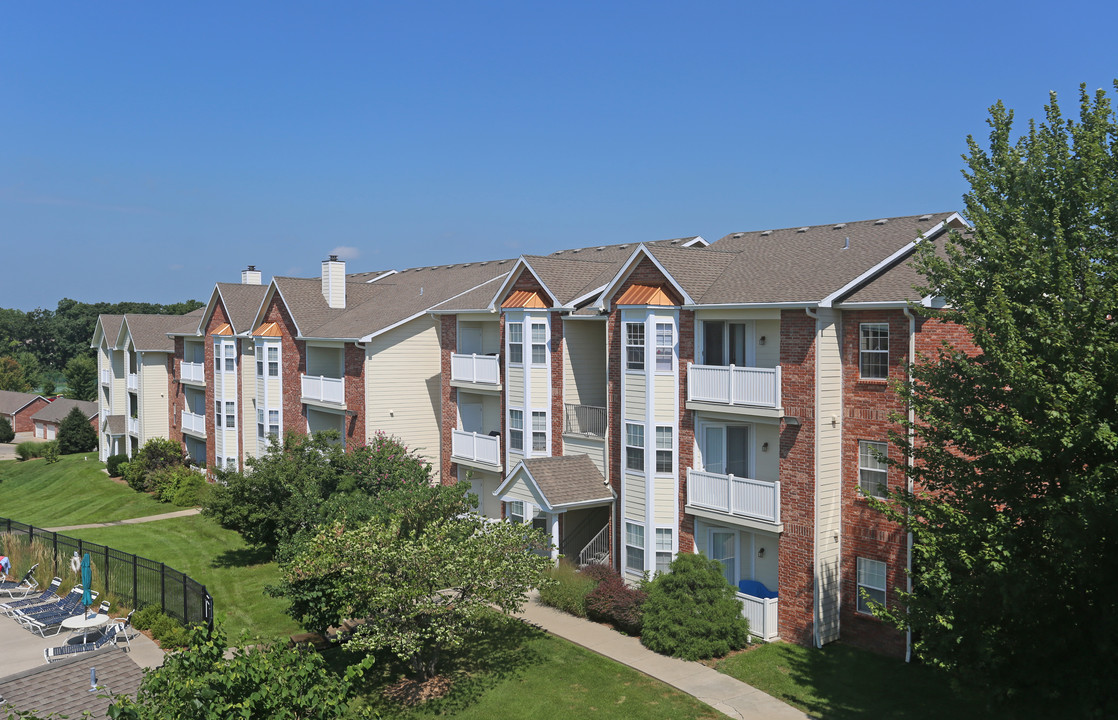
x=409, y=692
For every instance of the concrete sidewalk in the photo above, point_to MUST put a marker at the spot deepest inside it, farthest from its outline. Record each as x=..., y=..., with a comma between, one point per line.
x=722, y=692
x=130, y=521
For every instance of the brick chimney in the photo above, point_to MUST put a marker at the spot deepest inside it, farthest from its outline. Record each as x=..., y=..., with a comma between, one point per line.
x=333, y=282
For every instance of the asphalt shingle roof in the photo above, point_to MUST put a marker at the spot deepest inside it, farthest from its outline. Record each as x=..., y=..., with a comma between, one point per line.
x=12, y=402
x=149, y=332
x=241, y=304
x=568, y=479
x=60, y=408
x=63, y=687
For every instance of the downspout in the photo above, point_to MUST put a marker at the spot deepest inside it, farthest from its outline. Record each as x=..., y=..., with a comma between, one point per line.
x=815, y=496
x=908, y=475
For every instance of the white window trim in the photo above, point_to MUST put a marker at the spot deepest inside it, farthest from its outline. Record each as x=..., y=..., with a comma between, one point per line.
x=673, y=346
x=511, y=506
x=672, y=550
x=751, y=444
x=863, y=353
x=531, y=324
x=626, y=345
x=512, y=429
x=657, y=450
x=545, y=432
x=509, y=343
x=884, y=472
x=737, y=550
x=643, y=448
x=859, y=584
x=643, y=547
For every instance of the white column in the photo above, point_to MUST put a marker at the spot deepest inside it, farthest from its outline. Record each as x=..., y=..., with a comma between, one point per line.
x=553, y=525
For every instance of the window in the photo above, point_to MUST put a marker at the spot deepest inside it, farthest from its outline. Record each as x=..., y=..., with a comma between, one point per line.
x=217, y=355
x=663, y=450
x=634, y=346
x=873, y=471
x=515, y=511
x=259, y=362
x=273, y=361
x=539, y=431
x=539, y=344
x=516, y=343
x=217, y=412
x=723, y=548
x=273, y=423
x=663, y=549
x=725, y=449
x=634, y=547
x=634, y=447
x=873, y=357
x=230, y=415
x=259, y=420
x=664, y=347
x=516, y=430
x=230, y=357
x=871, y=584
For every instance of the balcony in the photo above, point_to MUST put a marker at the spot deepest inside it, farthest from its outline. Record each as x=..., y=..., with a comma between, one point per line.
x=584, y=420
x=193, y=372
x=133, y=382
x=476, y=449
x=133, y=426
x=761, y=614
x=106, y=377
x=475, y=369
x=317, y=388
x=734, y=496
x=738, y=387
x=193, y=423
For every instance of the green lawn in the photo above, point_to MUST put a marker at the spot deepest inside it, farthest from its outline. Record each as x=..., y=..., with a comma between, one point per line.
x=839, y=682
x=215, y=557
x=73, y=491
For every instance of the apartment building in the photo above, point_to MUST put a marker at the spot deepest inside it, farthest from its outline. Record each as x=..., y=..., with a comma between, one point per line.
x=634, y=401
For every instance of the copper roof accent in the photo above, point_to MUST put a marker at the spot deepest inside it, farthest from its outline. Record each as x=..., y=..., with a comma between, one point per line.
x=645, y=295
x=225, y=329
x=267, y=330
x=525, y=299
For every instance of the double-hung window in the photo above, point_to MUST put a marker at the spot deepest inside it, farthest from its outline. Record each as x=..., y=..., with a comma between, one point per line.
x=539, y=344
x=273, y=361
x=273, y=423
x=259, y=361
x=663, y=549
x=516, y=430
x=516, y=343
x=634, y=447
x=217, y=355
x=871, y=584
x=663, y=450
x=514, y=509
x=634, y=346
x=217, y=412
x=664, y=343
x=873, y=470
x=873, y=352
x=230, y=357
x=259, y=421
x=634, y=547
x=539, y=431
x=230, y=415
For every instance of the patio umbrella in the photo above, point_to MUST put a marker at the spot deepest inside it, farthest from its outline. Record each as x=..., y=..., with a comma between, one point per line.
x=87, y=580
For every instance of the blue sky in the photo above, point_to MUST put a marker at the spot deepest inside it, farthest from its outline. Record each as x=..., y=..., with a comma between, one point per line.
x=148, y=150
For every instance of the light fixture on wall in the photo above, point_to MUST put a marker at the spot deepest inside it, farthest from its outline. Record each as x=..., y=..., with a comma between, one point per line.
x=761, y=553
x=761, y=341
x=764, y=447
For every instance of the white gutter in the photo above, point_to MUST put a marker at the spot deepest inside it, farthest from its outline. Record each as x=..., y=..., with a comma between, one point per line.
x=793, y=305
x=815, y=496
x=908, y=475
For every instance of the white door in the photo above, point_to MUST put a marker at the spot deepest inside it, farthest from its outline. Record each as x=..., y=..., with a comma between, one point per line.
x=50, y=431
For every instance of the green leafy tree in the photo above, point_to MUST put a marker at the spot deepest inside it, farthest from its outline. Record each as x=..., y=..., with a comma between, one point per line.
x=12, y=376
x=200, y=683
x=421, y=588
x=81, y=378
x=692, y=612
x=75, y=434
x=1015, y=512
x=153, y=456
x=6, y=432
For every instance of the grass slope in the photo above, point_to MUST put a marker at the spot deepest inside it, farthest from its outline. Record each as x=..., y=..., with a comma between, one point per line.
x=73, y=491
x=215, y=557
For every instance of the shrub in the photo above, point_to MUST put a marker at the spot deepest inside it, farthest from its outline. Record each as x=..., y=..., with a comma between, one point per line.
x=75, y=434
x=6, y=432
x=568, y=592
x=114, y=465
x=598, y=572
x=168, y=631
x=167, y=482
x=50, y=451
x=692, y=612
x=143, y=618
x=30, y=449
x=615, y=602
x=155, y=454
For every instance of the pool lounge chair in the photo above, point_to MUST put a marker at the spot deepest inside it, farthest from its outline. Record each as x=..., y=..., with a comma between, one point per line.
x=10, y=607
x=42, y=620
x=24, y=586
x=113, y=634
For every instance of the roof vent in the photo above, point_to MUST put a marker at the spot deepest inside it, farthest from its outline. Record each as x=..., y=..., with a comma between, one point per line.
x=846, y=245
x=483, y=263
x=674, y=242
x=882, y=221
x=576, y=250
x=840, y=226
x=557, y=252
x=922, y=218
x=767, y=232
x=738, y=235
x=333, y=258
x=602, y=248
x=622, y=247
x=467, y=264
x=502, y=262
x=802, y=230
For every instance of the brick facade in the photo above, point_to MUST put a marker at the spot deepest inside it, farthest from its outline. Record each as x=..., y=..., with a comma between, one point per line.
x=686, y=429
x=448, y=345
x=354, y=379
x=217, y=319
x=293, y=364
x=21, y=420
x=176, y=396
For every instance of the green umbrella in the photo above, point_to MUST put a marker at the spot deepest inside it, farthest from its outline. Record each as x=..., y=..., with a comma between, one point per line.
x=87, y=580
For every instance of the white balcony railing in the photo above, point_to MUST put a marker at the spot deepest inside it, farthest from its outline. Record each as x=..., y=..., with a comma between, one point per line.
x=761, y=614
x=193, y=372
x=106, y=377
x=743, y=497
x=133, y=382
x=474, y=368
x=324, y=389
x=475, y=447
x=732, y=385
x=134, y=426
x=193, y=423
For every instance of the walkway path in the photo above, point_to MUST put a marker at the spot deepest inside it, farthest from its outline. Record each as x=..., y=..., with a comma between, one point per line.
x=721, y=692
x=130, y=521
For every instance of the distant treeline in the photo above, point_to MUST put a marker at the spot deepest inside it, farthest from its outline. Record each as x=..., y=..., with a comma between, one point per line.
x=54, y=337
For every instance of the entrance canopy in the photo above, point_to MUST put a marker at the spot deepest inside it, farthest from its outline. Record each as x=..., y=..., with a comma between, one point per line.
x=556, y=484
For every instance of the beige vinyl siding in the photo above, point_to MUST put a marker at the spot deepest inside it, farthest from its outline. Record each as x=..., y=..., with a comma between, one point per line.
x=515, y=385
x=591, y=446
x=518, y=490
x=319, y=420
x=515, y=456
x=120, y=391
x=634, y=497
x=402, y=386
x=828, y=472
x=154, y=412
x=766, y=569
x=665, y=388
x=664, y=500
x=766, y=463
x=541, y=387
x=483, y=484
x=247, y=402
x=768, y=355
x=584, y=363
x=634, y=397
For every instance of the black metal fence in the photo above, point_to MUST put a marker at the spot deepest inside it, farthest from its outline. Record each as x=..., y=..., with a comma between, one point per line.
x=129, y=577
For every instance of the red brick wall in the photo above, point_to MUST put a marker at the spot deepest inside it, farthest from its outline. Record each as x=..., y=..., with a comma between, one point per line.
x=797, y=477
x=21, y=420
x=175, y=393
x=686, y=428
x=293, y=363
x=354, y=395
x=448, y=345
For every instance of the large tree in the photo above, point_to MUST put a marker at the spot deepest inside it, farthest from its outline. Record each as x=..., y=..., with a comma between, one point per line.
x=1015, y=448
x=76, y=434
x=81, y=378
x=12, y=376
